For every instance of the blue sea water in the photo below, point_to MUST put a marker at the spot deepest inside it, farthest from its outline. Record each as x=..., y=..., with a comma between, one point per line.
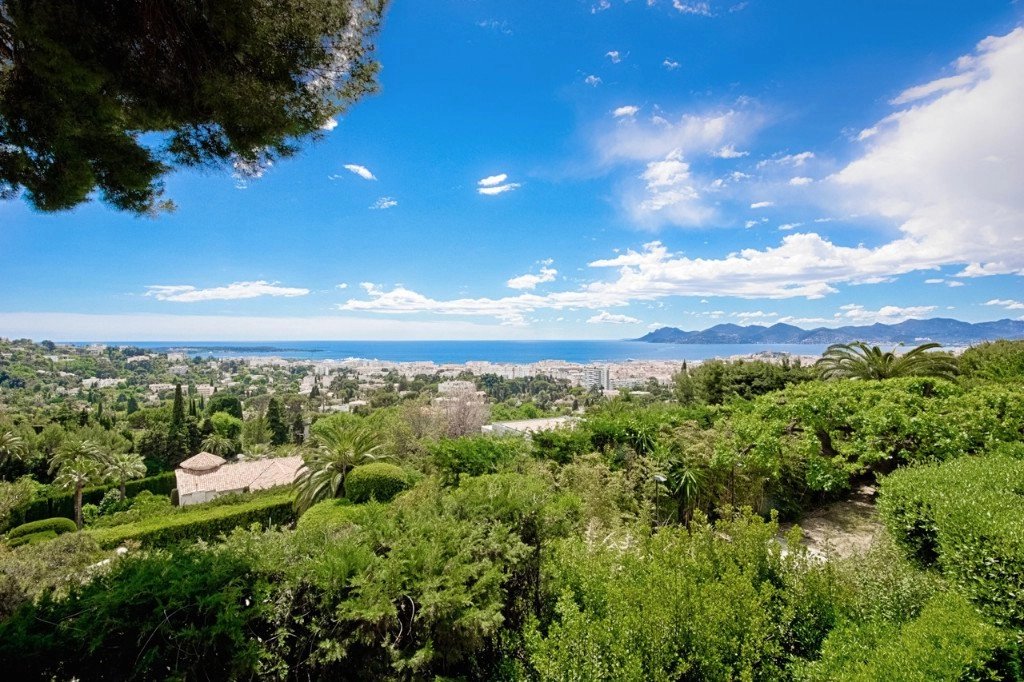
x=443, y=352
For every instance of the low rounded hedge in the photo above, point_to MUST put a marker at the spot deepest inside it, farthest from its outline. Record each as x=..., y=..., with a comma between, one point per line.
x=323, y=518
x=967, y=517
x=377, y=481
x=57, y=525
x=32, y=538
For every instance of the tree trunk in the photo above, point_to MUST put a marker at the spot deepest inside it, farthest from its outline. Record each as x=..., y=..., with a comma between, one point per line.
x=121, y=488
x=78, y=506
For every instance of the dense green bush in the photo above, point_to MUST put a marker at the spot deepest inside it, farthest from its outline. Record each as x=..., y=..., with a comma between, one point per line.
x=561, y=445
x=967, y=517
x=33, y=538
x=204, y=522
x=379, y=481
x=63, y=504
x=994, y=361
x=948, y=641
x=323, y=518
x=57, y=525
x=34, y=569
x=474, y=455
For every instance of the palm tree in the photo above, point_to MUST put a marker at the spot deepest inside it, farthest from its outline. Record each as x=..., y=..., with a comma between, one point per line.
x=12, y=446
x=324, y=469
x=685, y=481
x=219, y=444
x=857, y=360
x=75, y=474
x=123, y=467
x=78, y=449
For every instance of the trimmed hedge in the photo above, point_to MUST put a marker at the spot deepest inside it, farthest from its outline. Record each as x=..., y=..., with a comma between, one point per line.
x=202, y=522
x=376, y=481
x=63, y=504
x=967, y=517
x=323, y=518
x=32, y=538
x=57, y=525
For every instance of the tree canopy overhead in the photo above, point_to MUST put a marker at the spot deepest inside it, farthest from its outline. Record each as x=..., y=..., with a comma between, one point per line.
x=232, y=82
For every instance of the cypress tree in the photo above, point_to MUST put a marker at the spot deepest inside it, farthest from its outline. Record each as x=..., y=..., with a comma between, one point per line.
x=178, y=411
x=275, y=422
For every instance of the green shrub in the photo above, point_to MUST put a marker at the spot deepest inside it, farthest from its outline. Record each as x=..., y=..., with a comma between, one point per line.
x=474, y=456
x=948, y=641
x=57, y=525
x=200, y=522
x=375, y=481
x=561, y=445
x=323, y=518
x=33, y=538
x=63, y=504
x=967, y=517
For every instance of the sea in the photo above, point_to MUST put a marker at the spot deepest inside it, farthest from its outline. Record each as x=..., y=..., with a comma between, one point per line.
x=457, y=352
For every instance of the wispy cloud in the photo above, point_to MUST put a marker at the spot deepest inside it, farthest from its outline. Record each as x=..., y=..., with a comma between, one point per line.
x=1007, y=303
x=614, y=55
x=762, y=204
x=361, y=171
x=625, y=111
x=187, y=293
x=592, y=80
x=699, y=8
x=729, y=152
x=384, y=203
x=670, y=64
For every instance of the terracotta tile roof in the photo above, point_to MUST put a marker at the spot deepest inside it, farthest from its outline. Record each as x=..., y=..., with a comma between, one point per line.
x=204, y=461
x=257, y=474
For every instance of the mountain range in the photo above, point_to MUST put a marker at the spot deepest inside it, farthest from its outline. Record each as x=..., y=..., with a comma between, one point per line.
x=942, y=330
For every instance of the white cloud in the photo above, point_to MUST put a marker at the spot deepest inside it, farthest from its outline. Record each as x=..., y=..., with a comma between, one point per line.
x=343, y=285
x=785, y=227
x=793, y=160
x=629, y=110
x=762, y=204
x=754, y=315
x=384, y=203
x=934, y=281
x=592, y=80
x=601, y=6
x=605, y=317
x=186, y=293
x=948, y=168
x=729, y=152
x=800, y=181
x=750, y=223
x=614, y=56
x=670, y=194
x=699, y=8
x=670, y=64
x=361, y=171
x=1007, y=303
x=954, y=283
x=530, y=281
x=854, y=313
x=329, y=124
x=498, y=189
x=492, y=180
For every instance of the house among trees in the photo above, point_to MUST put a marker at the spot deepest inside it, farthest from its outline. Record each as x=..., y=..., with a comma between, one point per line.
x=206, y=476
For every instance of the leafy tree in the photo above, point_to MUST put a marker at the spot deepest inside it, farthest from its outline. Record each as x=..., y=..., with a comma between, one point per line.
x=857, y=360
x=226, y=425
x=123, y=467
x=324, y=469
x=276, y=424
x=233, y=81
x=225, y=402
x=178, y=409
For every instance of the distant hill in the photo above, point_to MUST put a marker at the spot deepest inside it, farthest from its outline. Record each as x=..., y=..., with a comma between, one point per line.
x=942, y=330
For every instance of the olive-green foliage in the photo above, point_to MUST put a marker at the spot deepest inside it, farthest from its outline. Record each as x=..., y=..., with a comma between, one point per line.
x=199, y=522
x=224, y=402
x=561, y=445
x=948, y=642
x=711, y=603
x=14, y=498
x=474, y=455
x=32, y=538
x=32, y=569
x=716, y=381
x=323, y=518
x=967, y=517
x=152, y=616
x=142, y=506
x=379, y=481
x=814, y=437
x=57, y=525
x=995, y=361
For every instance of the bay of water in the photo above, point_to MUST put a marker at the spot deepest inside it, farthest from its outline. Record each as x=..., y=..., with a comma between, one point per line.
x=442, y=352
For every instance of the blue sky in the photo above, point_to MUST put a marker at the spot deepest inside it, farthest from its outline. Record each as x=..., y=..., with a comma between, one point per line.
x=588, y=170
